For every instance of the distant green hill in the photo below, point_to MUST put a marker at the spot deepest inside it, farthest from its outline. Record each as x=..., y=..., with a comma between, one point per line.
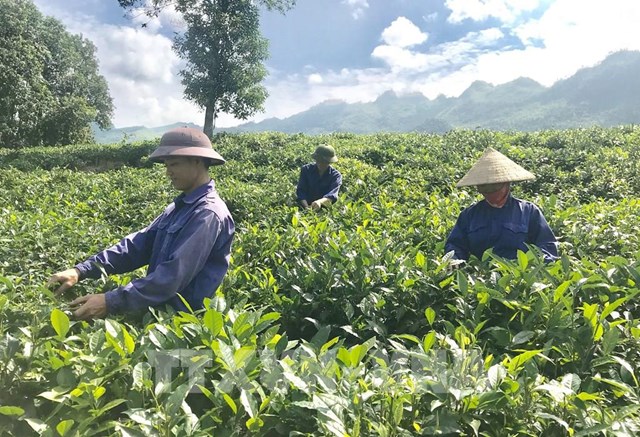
x=134, y=133
x=604, y=95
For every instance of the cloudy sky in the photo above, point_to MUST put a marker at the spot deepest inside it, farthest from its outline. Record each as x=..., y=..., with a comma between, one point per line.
x=355, y=50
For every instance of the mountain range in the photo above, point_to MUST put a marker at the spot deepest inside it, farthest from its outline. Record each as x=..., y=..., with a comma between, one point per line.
x=605, y=95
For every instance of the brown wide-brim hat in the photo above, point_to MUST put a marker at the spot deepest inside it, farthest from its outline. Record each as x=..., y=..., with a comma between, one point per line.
x=186, y=141
x=325, y=153
x=494, y=168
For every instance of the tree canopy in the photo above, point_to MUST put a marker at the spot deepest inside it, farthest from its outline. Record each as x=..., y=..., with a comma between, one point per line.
x=154, y=7
x=50, y=87
x=224, y=53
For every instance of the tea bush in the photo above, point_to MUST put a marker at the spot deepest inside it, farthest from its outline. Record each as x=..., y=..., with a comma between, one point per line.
x=350, y=321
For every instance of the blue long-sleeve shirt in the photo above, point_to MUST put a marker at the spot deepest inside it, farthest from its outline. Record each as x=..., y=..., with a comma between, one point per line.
x=187, y=250
x=313, y=186
x=505, y=229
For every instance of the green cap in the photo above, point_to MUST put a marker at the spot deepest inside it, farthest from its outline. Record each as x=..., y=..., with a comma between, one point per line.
x=325, y=153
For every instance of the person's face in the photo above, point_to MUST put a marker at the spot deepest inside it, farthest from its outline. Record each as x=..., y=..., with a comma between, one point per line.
x=489, y=188
x=322, y=165
x=184, y=172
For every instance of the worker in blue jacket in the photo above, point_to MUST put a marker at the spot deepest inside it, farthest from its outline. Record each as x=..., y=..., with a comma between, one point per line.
x=186, y=249
x=319, y=182
x=499, y=221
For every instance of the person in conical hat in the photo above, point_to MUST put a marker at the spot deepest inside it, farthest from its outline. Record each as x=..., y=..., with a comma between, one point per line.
x=319, y=183
x=187, y=247
x=499, y=221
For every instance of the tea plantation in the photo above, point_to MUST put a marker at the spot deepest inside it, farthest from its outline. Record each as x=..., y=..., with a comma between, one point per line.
x=347, y=322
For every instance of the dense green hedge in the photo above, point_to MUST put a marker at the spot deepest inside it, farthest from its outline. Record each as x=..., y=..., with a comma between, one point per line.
x=350, y=321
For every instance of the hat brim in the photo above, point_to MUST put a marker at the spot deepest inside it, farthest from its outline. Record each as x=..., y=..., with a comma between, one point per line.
x=493, y=168
x=487, y=180
x=325, y=159
x=162, y=153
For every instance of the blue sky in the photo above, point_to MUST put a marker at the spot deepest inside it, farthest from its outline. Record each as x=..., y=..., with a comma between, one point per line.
x=355, y=50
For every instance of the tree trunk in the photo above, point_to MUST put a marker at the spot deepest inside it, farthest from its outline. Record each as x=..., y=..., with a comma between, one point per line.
x=209, y=120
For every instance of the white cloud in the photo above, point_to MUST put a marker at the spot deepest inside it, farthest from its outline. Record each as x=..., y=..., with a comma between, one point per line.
x=479, y=10
x=142, y=70
x=403, y=33
x=571, y=34
x=431, y=17
x=398, y=58
x=290, y=94
x=358, y=7
x=135, y=54
x=314, y=78
x=400, y=35
x=401, y=59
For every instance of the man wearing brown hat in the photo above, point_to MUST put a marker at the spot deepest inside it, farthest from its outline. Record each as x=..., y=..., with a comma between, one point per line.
x=319, y=182
x=500, y=221
x=187, y=247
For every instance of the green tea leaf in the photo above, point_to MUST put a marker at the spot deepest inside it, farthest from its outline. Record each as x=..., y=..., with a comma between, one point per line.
x=36, y=424
x=8, y=410
x=213, y=321
x=176, y=398
x=64, y=427
x=519, y=360
x=249, y=403
x=627, y=367
x=557, y=391
x=142, y=375
x=523, y=260
x=562, y=288
x=225, y=352
x=344, y=356
x=571, y=381
x=328, y=344
x=608, y=309
x=254, y=424
x=420, y=259
x=60, y=322
x=428, y=341
x=523, y=337
x=583, y=396
x=430, y=314
x=98, y=392
x=463, y=282
x=129, y=344
x=496, y=374
x=230, y=402
x=242, y=355
x=357, y=353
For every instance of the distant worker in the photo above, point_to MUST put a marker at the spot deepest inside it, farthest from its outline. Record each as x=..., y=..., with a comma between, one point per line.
x=500, y=221
x=319, y=183
x=187, y=247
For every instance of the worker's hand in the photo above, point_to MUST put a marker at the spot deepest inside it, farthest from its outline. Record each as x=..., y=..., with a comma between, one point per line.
x=455, y=265
x=93, y=306
x=67, y=278
x=317, y=204
x=304, y=204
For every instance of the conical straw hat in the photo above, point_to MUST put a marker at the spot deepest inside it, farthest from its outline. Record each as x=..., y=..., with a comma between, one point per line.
x=492, y=168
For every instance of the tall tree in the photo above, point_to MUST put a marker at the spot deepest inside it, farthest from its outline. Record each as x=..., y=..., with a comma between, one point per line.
x=224, y=53
x=50, y=88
